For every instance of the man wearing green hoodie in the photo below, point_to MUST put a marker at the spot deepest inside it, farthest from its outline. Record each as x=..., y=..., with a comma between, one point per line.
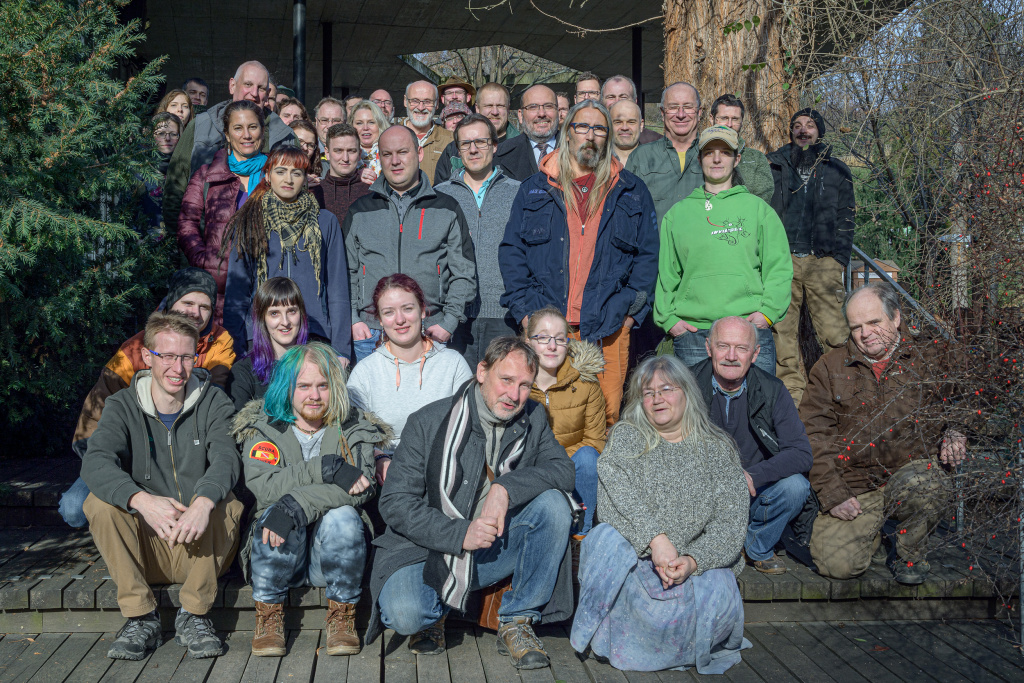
x=723, y=252
x=160, y=467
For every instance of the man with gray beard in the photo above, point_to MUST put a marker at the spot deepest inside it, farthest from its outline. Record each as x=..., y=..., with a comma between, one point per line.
x=582, y=236
x=420, y=104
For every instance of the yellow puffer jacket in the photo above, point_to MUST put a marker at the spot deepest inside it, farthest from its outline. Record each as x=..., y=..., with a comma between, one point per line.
x=574, y=402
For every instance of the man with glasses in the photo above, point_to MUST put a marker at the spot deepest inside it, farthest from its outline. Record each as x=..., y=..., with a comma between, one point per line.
x=588, y=87
x=485, y=194
x=161, y=466
x=586, y=243
x=520, y=157
x=328, y=112
x=382, y=98
x=493, y=102
x=420, y=104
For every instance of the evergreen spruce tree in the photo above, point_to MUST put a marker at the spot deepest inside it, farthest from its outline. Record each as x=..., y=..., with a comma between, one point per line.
x=77, y=276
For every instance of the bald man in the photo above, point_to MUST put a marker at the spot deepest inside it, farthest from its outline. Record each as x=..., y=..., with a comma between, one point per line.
x=627, y=124
x=403, y=226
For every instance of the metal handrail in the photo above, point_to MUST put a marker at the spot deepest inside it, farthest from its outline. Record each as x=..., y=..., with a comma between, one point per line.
x=870, y=263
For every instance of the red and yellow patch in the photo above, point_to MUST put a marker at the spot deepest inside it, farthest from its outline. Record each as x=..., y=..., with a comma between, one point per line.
x=265, y=451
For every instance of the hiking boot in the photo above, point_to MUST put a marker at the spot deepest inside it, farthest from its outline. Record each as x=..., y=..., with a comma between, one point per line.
x=136, y=636
x=517, y=639
x=268, y=638
x=911, y=575
x=880, y=556
x=196, y=633
x=429, y=641
x=773, y=565
x=340, y=626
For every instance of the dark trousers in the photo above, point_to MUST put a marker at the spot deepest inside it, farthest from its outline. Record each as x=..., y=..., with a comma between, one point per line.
x=472, y=337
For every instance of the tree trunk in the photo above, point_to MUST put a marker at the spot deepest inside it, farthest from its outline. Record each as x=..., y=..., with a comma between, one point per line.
x=699, y=52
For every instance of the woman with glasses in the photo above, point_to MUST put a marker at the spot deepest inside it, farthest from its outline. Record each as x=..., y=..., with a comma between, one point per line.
x=369, y=122
x=218, y=189
x=166, y=129
x=567, y=387
x=177, y=102
x=305, y=134
x=723, y=252
x=407, y=371
x=658, y=574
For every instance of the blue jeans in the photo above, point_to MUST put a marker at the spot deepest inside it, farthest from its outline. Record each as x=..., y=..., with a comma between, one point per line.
x=71, y=502
x=530, y=551
x=364, y=347
x=585, y=462
x=773, y=508
x=330, y=553
x=691, y=348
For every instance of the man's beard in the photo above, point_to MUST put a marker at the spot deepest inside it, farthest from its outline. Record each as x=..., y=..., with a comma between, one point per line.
x=313, y=413
x=589, y=155
x=804, y=158
x=533, y=136
x=419, y=120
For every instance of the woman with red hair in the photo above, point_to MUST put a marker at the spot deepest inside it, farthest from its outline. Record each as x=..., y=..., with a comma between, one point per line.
x=281, y=231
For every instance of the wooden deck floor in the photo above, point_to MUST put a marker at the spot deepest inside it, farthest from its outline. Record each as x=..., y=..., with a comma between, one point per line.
x=816, y=652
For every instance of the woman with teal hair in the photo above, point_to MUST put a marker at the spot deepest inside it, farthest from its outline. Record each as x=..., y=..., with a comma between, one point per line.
x=308, y=459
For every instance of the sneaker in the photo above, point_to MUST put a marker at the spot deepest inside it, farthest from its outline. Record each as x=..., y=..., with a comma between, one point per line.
x=340, y=626
x=196, y=633
x=268, y=638
x=429, y=641
x=136, y=636
x=911, y=575
x=773, y=565
x=517, y=640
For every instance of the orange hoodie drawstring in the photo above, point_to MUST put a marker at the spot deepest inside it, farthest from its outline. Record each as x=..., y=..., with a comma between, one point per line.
x=427, y=344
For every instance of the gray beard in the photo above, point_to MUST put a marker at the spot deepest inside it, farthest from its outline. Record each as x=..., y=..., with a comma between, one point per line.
x=533, y=137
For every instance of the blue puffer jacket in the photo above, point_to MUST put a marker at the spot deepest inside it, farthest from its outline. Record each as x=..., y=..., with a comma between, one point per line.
x=534, y=256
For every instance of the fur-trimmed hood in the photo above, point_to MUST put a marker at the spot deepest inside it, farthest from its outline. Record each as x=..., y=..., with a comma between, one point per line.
x=587, y=359
x=253, y=420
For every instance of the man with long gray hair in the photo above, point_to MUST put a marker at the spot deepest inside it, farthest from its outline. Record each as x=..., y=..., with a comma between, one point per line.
x=582, y=237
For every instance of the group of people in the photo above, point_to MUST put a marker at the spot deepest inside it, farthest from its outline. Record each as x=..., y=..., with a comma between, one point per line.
x=417, y=338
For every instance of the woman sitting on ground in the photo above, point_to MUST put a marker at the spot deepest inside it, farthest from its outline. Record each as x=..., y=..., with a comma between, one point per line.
x=420, y=371
x=281, y=231
x=278, y=320
x=658, y=574
x=567, y=387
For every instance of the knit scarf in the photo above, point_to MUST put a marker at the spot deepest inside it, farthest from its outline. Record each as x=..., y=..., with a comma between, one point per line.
x=251, y=167
x=293, y=222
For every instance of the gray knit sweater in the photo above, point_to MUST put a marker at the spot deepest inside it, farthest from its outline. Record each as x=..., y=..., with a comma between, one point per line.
x=694, y=493
x=487, y=227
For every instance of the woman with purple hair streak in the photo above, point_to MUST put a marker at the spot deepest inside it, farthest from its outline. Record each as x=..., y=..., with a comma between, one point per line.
x=278, y=318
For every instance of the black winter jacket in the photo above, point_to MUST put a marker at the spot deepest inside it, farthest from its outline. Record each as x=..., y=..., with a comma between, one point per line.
x=818, y=214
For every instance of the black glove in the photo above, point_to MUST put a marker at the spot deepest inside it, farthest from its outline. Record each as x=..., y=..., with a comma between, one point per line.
x=285, y=516
x=336, y=470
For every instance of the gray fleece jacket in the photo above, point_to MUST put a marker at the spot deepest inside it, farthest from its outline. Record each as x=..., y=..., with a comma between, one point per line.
x=487, y=228
x=422, y=234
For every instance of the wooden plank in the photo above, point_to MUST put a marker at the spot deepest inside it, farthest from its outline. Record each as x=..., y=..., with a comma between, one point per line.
x=603, y=673
x=839, y=645
x=784, y=586
x=32, y=658
x=164, y=662
x=123, y=670
x=297, y=664
x=433, y=668
x=42, y=560
x=916, y=654
x=332, y=669
x=399, y=661
x=81, y=593
x=262, y=669
x=798, y=663
x=816, y=651
x=755, y=586
x=891, y=659
x=190, y=670
x=977, y=650
x=742, y=673
x=64, y=660
x=763, y=664
x=13, y=542
x=647, y=677
x=464, y=663
x=938, y=649
x=999, y=640
x=13, y=645
x=229, y=667
x=365, y=666
x=565, y=662
x=49, y=593
x=95, y=663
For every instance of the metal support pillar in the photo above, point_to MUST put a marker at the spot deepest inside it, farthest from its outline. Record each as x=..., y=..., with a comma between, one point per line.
x=299, y=49
x=328, y=51
x=638, y=64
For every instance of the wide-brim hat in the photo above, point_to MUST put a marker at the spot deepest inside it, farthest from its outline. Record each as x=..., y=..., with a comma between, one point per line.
x=455, y=108
x=456, y=82
x=723, y=133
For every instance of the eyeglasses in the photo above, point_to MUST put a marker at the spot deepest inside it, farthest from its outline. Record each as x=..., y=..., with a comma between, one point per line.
x=588, y=94
x=421, y=103
x=166, y=135
x=307, y=146
x=480, y=143
x=330, y=121
x=545, y=339
x=171, y=359
x=382, y=103
x=584, y=128
x=676, y=108
x=534, y=108
x=497, y=107
x=664, y=392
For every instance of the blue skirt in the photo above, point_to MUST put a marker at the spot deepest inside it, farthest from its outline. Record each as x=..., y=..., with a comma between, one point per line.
x=627, y=616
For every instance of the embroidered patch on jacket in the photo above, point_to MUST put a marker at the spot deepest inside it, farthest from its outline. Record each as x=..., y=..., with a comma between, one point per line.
x=265, y=451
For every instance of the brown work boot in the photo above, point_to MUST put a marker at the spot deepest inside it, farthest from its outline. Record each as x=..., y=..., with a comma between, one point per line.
x=268, y=638
x=340, y=625
x=517, y=639
x=429, y=641
x=773, y=565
